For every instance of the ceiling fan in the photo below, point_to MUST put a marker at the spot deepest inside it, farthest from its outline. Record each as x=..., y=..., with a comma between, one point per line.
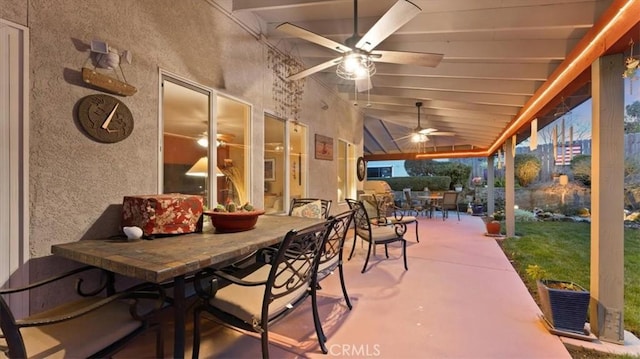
x=357, y=58
x=420, y=134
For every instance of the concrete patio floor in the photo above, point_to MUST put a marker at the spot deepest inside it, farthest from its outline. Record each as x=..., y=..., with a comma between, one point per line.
x=460, y=298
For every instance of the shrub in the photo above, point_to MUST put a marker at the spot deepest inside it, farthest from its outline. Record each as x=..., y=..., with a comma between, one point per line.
x=498, y=215
x=527, y=168
x=418, y=183
x=581, y=168
x=536, y=272
x=525, y=216
x=499, y=182
x=631, y=166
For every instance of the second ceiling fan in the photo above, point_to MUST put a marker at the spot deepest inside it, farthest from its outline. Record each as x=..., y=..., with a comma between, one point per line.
x=357, y=54
x=420, y=134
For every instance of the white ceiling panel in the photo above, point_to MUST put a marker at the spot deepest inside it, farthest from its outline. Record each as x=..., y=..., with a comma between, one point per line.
x=497, y=54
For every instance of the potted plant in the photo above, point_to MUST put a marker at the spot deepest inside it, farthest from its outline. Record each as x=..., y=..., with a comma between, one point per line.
x=564, y=304
x=477, y=208
x=493, y=223
x=458, y=187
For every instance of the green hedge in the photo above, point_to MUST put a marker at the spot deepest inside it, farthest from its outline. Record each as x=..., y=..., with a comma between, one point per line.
x=418, y=183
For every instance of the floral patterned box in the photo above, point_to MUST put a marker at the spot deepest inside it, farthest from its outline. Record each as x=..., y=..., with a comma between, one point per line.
x=172, y=213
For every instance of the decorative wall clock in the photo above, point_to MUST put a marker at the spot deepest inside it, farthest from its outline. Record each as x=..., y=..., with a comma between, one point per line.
x=361, y=168
x=105, y=118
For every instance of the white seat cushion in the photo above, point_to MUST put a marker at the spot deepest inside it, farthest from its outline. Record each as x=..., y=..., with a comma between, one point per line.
x=379, y=233
x=246, y=302
x=405, y=219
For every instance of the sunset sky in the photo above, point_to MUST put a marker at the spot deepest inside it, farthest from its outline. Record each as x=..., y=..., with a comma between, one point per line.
x=580, y=117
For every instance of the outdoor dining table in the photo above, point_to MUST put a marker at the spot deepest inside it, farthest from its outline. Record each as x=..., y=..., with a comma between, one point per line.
x=431, y=202
x=171, y=259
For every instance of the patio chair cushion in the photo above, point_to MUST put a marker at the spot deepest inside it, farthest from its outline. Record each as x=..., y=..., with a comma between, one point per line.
x=309, y=210
x=379, y=233
x=72, y=339
x=245, y=302
x=405, y=219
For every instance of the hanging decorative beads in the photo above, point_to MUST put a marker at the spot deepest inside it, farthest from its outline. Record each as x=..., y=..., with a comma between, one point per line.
x=286, y=94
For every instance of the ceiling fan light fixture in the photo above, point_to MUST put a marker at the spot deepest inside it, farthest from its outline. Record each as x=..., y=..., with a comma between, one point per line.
x=222, y=139
x=356, y=66
x=418, y=137
x=203, y=141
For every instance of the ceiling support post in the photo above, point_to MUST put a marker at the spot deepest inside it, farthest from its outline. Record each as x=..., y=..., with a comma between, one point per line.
x=509, y=187
x=607, y=199
x=491, y=195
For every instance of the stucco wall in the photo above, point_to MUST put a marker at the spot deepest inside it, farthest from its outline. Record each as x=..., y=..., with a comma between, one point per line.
x=14, y=11
x=76, y=184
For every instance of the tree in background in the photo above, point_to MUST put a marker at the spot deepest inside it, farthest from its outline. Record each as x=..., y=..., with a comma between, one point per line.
x=420, y=167
x=458, y=172
x=527, y=168
x=632, y=118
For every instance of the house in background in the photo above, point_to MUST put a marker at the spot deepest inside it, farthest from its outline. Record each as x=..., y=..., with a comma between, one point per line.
x=386, y=169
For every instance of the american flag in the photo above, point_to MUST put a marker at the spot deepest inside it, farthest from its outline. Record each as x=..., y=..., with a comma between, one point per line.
x=564, y=159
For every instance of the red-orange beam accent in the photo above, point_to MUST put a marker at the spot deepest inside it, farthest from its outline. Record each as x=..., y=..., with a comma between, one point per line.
x=429, y=155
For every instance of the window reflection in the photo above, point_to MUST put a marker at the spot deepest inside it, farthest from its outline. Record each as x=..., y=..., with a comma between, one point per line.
x=298, y=160
x=274, y=164
x=346, y=170
x=187, y=143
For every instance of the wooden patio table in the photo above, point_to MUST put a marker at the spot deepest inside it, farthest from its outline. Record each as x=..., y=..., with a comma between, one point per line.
x=168, y=259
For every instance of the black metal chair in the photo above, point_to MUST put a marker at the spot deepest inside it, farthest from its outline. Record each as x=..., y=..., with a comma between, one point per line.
x=393, y=214
x=449, y=202
x=95, y=326
x=331, y=258
x=410, y=204
x=311, y=210
x=254, y=302
x=382, y=233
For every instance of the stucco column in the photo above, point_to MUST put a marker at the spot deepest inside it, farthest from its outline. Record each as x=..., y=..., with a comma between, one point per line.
x=607, y=199
x=491, y=198
x=509, y=188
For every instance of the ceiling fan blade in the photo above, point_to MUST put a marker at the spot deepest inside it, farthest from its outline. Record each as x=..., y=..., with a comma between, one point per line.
x=313, y=70
x=427, y=131
x=304, y=34
x=407, y=58
x=408, y=139
x=402, y=138
x=400, y=13
x=364, y=84
x=442, y=133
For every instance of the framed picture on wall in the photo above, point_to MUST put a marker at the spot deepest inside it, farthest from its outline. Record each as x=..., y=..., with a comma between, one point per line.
x=324, y=148
x=269, y=169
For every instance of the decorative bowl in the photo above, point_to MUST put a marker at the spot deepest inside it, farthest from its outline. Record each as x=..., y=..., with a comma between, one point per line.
x=234, y=221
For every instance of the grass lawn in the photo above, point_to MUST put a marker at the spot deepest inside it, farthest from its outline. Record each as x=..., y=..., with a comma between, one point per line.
x=562, y=249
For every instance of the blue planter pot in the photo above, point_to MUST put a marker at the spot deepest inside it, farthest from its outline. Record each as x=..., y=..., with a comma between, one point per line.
x=478, y=209
x=564, y=309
